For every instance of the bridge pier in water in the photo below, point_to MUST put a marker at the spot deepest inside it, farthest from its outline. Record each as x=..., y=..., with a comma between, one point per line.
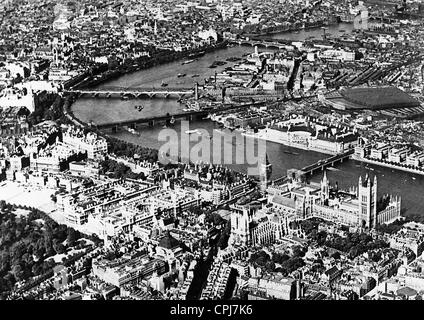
x=323, y=164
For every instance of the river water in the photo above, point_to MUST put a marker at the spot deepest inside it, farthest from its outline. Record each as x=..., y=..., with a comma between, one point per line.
x=282, y=158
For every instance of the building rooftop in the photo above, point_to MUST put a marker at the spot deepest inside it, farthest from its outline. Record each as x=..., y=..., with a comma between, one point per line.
x=378, y=98
x=168, y=242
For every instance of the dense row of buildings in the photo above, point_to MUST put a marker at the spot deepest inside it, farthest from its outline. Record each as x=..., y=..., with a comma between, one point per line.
x=301, y=133
x=163, y=228
x=400, y=156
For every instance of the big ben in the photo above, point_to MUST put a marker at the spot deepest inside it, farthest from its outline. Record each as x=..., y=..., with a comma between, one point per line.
x=265, y=170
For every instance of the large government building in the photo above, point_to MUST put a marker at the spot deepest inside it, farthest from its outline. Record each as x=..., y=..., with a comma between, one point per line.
x=269, y=221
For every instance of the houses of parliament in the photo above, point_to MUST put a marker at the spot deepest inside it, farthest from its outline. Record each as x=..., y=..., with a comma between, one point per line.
x=268, y=220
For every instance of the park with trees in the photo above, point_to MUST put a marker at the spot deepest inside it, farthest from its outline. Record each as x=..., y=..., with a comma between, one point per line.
x=118, y=170
x=279, y=262
x=27, y=243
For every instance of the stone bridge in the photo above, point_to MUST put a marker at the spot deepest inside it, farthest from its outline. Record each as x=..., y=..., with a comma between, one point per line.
x=134, y=92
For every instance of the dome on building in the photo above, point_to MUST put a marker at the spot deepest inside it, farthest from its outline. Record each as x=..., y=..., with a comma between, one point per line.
x=168, y=241
x=406, y=291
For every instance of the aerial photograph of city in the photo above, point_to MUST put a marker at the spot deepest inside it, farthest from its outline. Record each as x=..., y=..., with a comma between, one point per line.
x=224, y=150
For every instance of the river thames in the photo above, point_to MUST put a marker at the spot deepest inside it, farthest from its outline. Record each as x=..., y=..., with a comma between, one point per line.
x=282, y=158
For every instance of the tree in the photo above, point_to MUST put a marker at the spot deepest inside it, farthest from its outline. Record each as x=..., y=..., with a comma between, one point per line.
x=60, y=248
x=196, y=211
x=279, y=258
x=309, y=225
x=336, y=255
x=260, y=258
x=17, y=251
x=18, y=272
x=217, y=219
x=36, y=269
x=293, y=264
x=298, y=251
x=71, y=237
x=4, y=262
x=9, y=280
x=270, y=266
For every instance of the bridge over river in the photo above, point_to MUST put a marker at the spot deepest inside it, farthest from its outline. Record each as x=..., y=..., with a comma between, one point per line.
x=188, y=115
x=317, y=166
x=134, y=92
x=263, y=42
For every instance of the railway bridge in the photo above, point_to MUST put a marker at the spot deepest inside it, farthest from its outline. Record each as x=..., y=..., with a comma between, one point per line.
x=187, y=115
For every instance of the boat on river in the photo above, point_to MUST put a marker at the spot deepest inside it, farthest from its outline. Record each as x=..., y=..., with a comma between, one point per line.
x=333, y=169
x=188, y=61
x=219, y=63
x=291, y=152
x=233, y=59
x=197, y=55
x=131, y=130
x=192, y=131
